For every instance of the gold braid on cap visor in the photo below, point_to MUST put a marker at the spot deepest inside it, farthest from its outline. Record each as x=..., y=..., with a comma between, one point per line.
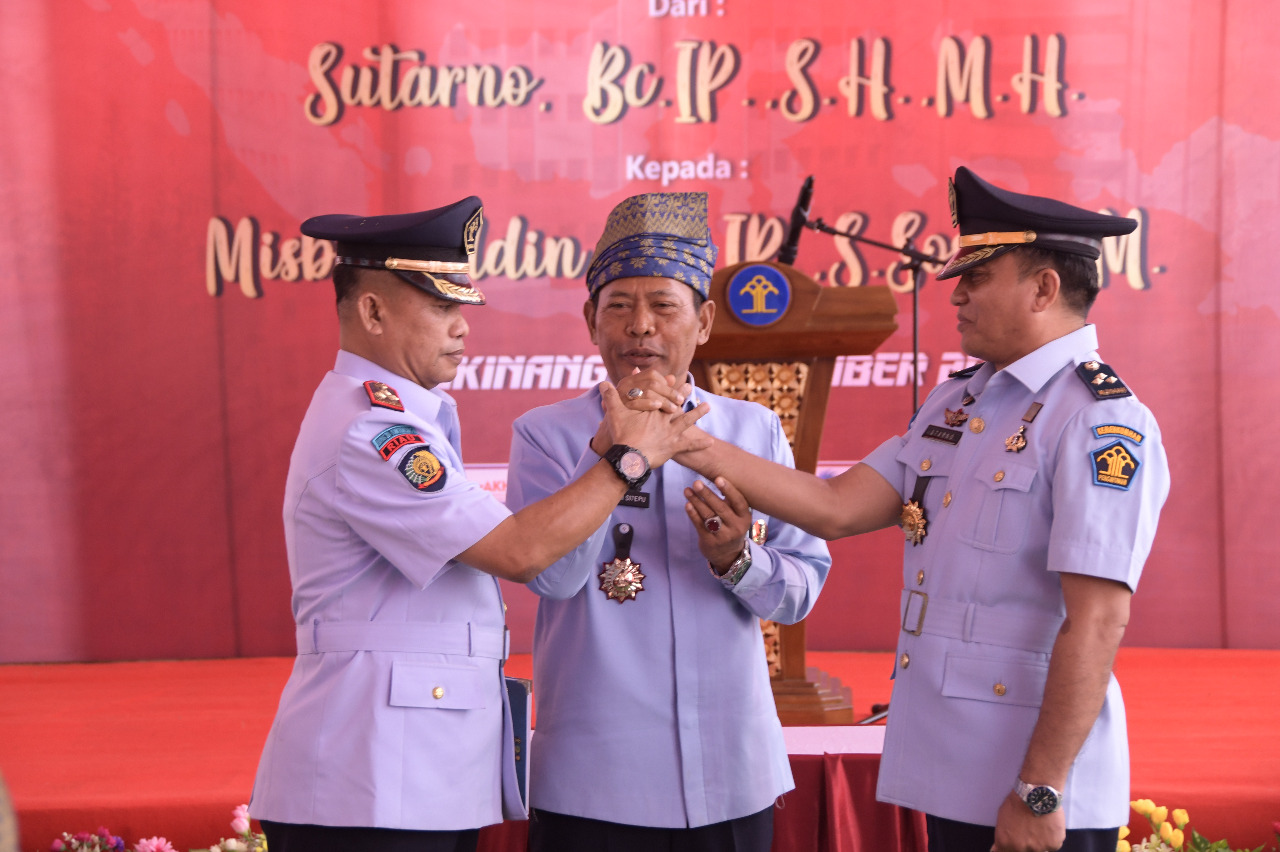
x=455, y=283
x=1006, y=238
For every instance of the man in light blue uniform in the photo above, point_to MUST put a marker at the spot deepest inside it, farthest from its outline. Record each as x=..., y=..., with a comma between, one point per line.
x=656, y=722
x=1029, y=488
x=393, y=732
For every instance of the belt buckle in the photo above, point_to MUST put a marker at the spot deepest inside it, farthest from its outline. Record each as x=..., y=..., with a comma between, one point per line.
x=906, y=611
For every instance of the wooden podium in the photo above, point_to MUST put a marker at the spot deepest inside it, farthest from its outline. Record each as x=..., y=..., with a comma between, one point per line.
x=776, y=336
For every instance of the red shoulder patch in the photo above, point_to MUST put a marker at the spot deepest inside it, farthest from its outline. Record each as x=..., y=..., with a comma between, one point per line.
x=383, y=396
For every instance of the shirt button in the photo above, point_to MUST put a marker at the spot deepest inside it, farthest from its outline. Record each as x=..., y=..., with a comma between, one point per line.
x=977, y=424
x=946, y=500
x=999, y=477
x=926, y=464
x=906, y=660
x=1000, y=689
x=920, y=579
x=438, y=692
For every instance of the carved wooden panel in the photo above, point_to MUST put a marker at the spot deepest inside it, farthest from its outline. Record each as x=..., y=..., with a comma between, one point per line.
x=779, y=386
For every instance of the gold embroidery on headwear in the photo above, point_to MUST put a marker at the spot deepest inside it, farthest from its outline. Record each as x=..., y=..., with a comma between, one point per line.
x=471, y=233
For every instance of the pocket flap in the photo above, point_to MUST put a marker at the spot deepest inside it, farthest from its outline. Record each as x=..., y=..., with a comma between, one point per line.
x=926, y=458
x=999, y=681
x=998, y=473
x=441, y=687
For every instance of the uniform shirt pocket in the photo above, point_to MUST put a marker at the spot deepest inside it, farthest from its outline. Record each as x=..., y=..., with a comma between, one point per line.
x=439, y=687
x=1003, y=509
x=924, y=458
x=997, y=681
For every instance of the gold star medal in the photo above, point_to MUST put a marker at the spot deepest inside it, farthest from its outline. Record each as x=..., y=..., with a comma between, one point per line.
x=621, y=579
x=913, y=521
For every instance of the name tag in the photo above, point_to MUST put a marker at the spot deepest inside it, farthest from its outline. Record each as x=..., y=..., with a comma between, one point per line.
x=635, y=500
x=946, y=436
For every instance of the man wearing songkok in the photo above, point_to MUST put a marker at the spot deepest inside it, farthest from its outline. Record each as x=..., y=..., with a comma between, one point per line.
x=656, y=722
x=394, y=730
x=1029, y=488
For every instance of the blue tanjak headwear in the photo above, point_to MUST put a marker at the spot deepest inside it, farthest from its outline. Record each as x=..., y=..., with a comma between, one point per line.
x=658, y=234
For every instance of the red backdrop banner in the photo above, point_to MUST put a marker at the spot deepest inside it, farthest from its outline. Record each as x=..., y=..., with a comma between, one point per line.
x=164, y=322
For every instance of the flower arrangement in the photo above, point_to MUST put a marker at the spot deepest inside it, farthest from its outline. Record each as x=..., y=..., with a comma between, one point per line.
x=1169, y=832
x=104, y=841
x=245, y=840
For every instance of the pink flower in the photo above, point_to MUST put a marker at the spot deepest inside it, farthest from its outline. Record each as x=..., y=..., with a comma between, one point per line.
x=240, y=821
x=57, y=846
x=154, y=844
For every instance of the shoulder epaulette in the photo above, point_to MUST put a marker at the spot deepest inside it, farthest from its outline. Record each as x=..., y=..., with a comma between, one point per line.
x=1100, y=381
x=383, y=396
x=966, y=372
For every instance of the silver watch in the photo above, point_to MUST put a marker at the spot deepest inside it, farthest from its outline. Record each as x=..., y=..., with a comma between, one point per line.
x=736, y=568
x=1041, y=798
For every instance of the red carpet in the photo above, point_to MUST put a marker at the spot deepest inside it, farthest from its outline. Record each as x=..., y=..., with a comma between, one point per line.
x=170, y=748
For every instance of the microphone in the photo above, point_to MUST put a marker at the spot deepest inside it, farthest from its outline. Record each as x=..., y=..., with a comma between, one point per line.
x=799, y=218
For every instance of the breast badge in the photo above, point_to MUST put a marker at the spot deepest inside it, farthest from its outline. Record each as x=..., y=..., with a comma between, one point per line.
x=957, y=417
x=621, y=579
x=423, y=470
x=1017, y=442
x=913, y=522
x=1114, y=466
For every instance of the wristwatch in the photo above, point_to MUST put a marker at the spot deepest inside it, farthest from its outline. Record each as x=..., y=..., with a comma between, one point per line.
x=736, y=569
x=629, y=463
x=1041, y=798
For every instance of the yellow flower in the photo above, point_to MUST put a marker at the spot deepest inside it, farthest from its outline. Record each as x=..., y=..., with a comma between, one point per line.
x=1166, y=833
x=1124, y=832
x=1176, y=839
x=1143, y=806
x=1180, y=818
x=1123, y=846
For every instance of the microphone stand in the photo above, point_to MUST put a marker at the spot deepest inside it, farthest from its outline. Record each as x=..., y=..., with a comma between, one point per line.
x=916, y=261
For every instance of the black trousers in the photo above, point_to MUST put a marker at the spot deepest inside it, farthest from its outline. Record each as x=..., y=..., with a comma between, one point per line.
x=292, y=837
x=552, y=832
x=948, y=835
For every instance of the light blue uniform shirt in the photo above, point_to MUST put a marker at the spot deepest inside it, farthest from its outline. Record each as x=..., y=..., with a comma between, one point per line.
x=982, y=589
x=658, y=711
x=393, y=716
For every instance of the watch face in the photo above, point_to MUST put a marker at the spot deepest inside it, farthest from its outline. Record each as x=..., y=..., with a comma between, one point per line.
x=632, y=464
x=1042, y=800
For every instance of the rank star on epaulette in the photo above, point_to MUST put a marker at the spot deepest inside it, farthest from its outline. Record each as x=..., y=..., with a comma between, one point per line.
x=383, y=396
x=1101, y=382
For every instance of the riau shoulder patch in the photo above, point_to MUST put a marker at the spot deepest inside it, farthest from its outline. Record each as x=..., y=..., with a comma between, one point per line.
x=383, y=396
x=393, y=438
x=423, y=470
x=1114, y=466
x=1100, y=381
x=1106, y=430
x=966, y=372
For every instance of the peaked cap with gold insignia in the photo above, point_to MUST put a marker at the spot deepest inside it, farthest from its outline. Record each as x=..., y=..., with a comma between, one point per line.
x=431, y=250
x=993, y=221
x=659, y=234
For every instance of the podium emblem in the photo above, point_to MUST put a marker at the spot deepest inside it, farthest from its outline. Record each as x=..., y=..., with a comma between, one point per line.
x=758, y=295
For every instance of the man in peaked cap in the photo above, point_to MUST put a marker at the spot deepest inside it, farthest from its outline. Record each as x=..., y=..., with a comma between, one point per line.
x=656, y=722
x=1028, y=488
x=390, y=731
